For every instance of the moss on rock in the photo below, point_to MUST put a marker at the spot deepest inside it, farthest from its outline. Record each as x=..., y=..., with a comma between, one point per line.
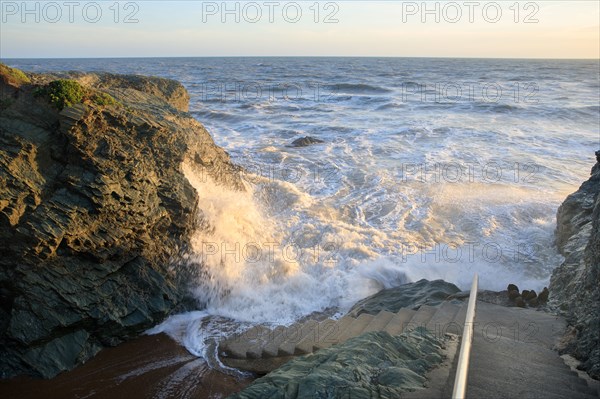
x=103, y=99
x=13, y=76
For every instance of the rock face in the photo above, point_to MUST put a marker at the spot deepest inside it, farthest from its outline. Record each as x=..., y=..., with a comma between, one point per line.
x=412, y=295
x=374, y=365
x=94, y=214
x=575, y=284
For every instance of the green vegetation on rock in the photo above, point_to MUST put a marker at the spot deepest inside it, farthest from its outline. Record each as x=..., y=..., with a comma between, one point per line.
x=104, y=99
x=13, y=75
x=107, y=216
x=63, y=93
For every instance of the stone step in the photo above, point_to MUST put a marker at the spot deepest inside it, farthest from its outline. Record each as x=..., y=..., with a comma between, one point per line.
x=420, y=319
x=400, y=320
x=442, y=321
x=288, y=346
x=278, y=335
x=250, y=340
x=356, y=327
x=379, y=321
x=334, y=337
x=322, y=332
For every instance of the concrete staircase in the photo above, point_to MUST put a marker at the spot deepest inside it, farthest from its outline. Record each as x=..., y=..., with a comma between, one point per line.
x=261, y=349
x=511, y=357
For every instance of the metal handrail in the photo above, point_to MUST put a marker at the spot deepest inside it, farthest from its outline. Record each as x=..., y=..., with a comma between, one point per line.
x=462, y=368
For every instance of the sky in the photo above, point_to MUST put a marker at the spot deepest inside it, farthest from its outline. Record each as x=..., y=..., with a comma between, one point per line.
x=480, y=29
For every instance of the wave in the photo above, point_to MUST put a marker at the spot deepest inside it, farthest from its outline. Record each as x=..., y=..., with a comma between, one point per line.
x=217, y=115
x=390, y=105
x=497, y=108
x=357, y=88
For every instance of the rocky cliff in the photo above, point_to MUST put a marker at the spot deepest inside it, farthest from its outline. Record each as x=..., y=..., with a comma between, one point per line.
x=95, y=211
x=575, y=284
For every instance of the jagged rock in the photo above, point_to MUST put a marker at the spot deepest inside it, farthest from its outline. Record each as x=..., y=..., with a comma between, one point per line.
x=412, y=295
x=575, y=284
x=512, y=287
x=94, y=214
x=305, y=141
x=525, y=294
x=513, y=294
x=530, y=295
x=374, y=365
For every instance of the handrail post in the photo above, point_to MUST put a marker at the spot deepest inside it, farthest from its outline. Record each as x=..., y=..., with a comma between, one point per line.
x=462, y=368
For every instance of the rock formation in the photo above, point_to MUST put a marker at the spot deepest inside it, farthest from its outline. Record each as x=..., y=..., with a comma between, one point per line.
x=374, y=365
x=95, y=213
x=575, y=284
x=412, y=295
x=305, y=141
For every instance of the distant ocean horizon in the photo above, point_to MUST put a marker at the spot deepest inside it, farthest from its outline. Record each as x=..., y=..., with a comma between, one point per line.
x=427, y=168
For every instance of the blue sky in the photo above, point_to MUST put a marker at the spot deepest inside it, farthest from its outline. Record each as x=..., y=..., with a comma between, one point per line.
x=538, y=29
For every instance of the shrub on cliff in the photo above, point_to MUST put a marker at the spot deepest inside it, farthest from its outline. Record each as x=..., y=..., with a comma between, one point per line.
x=65, y=93
x=13, y=76
x=103, y=99
x=62, y=93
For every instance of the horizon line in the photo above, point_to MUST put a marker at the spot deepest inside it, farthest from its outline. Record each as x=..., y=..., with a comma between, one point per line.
x=299, y=56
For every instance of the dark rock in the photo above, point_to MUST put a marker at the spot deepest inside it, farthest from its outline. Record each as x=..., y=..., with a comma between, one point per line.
x=95, y=214
x=530, y=295
x=575, y=284
x=512, y=295
x=411, y=295
x=534, y=302
x=305, y=141
x=543, y=297
x=512, y=287
x=374, y=365
x=525, y=294
x=520, y=302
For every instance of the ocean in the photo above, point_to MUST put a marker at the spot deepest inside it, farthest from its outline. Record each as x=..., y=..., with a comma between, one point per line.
x=428, y=168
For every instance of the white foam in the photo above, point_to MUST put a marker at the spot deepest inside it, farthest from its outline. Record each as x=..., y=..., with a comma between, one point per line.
x=275, y=253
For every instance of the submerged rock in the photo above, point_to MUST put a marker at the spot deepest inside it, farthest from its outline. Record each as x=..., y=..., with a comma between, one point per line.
x=411, y=296
x=305, y=141
x=94, y=214
x=575, y=284
x=373, y=365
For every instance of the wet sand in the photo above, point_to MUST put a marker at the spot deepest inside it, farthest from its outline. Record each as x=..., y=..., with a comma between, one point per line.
x=148, y=367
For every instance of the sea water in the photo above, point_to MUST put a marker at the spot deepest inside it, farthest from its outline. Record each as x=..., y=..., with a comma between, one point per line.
x=428, y=168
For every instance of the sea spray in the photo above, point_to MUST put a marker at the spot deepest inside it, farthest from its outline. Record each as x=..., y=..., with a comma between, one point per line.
x=273, y=254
